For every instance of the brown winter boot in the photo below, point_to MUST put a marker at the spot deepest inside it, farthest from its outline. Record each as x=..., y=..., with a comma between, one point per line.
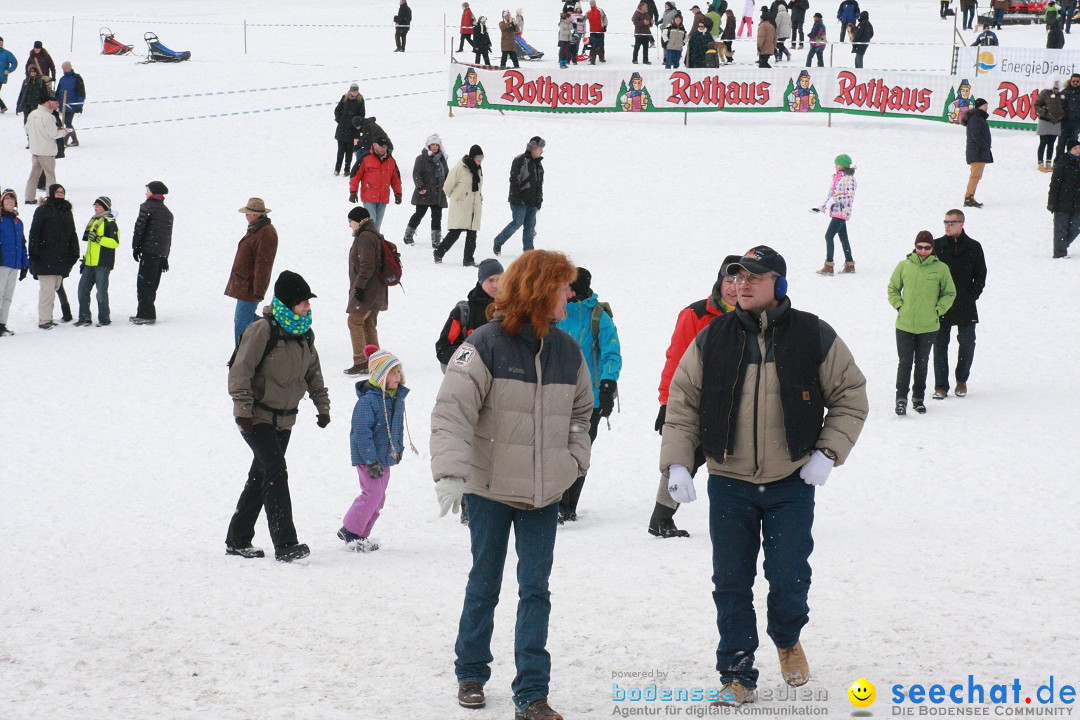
x=733, y=695
x=537, y=710
x=793, y=665
x=849, y=267
x=471, y=695
x=827, y=269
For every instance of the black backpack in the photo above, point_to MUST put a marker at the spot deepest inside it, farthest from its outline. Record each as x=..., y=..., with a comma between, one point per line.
x=276, y=334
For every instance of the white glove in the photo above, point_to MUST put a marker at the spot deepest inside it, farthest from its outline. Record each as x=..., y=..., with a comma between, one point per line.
x=817, y=468
x=681, y=484
x=449, y=491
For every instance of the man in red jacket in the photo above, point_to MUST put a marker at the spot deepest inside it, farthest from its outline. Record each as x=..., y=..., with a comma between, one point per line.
x=691, y=321
x=467, y=23
x=597, y=28
x=376, y=176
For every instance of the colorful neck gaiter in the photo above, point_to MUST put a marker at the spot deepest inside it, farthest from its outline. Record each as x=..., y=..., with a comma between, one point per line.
x=290, y=321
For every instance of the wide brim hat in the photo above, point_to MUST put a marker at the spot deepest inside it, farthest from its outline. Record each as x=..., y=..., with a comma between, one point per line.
x=255, y=206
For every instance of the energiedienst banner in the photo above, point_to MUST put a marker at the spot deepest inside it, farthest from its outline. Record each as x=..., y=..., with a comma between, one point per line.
x=1038, y=64
x=876, y=93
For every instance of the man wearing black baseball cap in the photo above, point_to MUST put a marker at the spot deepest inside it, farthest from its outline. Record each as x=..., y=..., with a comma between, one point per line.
x=775, y=400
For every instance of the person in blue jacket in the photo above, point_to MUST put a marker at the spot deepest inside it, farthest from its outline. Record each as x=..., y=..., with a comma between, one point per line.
x=377, y=444
x=589, y=322
x=847, y=14
x=8, y=63
x=71, y=93
x=14, y=262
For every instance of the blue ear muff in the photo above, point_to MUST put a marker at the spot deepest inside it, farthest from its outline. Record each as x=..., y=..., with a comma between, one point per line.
x=781, y=288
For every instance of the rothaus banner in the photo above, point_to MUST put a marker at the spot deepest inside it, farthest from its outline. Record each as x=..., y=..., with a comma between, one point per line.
x=872, y=93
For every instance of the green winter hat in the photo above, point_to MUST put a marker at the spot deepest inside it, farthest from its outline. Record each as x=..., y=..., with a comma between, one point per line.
x=843, y=161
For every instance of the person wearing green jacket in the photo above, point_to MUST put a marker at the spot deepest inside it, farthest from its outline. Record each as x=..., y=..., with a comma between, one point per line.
x=921, y=289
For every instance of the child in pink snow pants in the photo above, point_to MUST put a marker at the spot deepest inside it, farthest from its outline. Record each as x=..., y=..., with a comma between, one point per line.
x=376, y=439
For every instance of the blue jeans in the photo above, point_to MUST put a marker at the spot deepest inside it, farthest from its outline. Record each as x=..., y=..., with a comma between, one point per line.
x=837, y=226
x=245, y=315
x=743, y=516
x=965, y=336
x=969, y=17
x=999, y=17
x=816, y=52
x=520, y=215
x=671, y=59
x=376, y=210
x=90, y=277
x=534, y=540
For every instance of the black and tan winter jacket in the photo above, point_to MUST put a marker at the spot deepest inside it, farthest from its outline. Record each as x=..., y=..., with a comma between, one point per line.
x=271, y=391
x=512, y=416
x=758, y=447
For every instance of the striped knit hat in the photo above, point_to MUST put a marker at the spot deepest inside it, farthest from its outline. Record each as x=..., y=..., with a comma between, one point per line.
x=380, y=363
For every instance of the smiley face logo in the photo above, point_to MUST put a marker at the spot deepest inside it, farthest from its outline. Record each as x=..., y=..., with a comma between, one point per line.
x=862, y=693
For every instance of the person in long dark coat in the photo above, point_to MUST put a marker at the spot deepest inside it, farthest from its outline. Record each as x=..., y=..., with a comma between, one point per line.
x=429, y=173
x=977, y=153
x=349, y=107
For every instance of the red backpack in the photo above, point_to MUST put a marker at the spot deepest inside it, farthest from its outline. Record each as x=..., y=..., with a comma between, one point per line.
x=390, y=271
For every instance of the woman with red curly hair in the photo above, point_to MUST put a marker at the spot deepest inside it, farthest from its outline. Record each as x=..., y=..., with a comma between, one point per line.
x=510, y=428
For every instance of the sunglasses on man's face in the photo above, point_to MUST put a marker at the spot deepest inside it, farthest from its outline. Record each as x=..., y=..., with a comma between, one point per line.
x=953, y=222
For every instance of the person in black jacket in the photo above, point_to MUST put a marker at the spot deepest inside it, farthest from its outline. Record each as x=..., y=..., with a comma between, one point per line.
x=798, y=10
x=977, y=152
x=526, y=194
x=1064, y=199
x=864, y=32
x=54, y=250
x=481, y=42
x=1070, y=126
x=987, y=38
x=401, y=25
x=1055, y=38
x=32, y=93
x=964, y=258
x=350, y=106
x=429, y=174
x=367, y=131
x=151, y=241
x=474, y=308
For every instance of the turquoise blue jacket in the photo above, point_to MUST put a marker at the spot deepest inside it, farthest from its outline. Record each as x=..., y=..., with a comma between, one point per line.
x=7, y=62
x=604, y=358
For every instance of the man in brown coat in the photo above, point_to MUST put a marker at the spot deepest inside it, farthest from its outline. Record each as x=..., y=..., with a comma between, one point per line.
x=367, y=293
x=766, y=39
x=509, y=40
x=252, y=266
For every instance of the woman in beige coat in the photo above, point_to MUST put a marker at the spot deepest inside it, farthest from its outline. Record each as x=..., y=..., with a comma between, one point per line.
x=464, y=187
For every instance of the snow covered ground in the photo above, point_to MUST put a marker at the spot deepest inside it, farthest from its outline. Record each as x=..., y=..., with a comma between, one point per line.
x=947, y=545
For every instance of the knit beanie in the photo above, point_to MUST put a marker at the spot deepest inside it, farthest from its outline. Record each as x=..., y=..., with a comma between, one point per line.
x=843, y=161
x=924, y=236
x=582, y=285
x=475, y=151
x=380, y=363
x=291, y=289
x=487, y=268
x=157, y=187
x=10, y=192
x=359, y=214
x=104, y=202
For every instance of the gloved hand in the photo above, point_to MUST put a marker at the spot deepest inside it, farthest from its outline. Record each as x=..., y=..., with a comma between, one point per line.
x=137, y=254
x=817, y=468
x=681, y=484
x=374, y=469
x=22, y=273
x=323, y=420
x=245, y=424
x=608, y=390
x=82, y=264
x=449, y=491
x=164, y=266
x=397, y=199
x=358, y=293
x=352, y=197
x=660, y=418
